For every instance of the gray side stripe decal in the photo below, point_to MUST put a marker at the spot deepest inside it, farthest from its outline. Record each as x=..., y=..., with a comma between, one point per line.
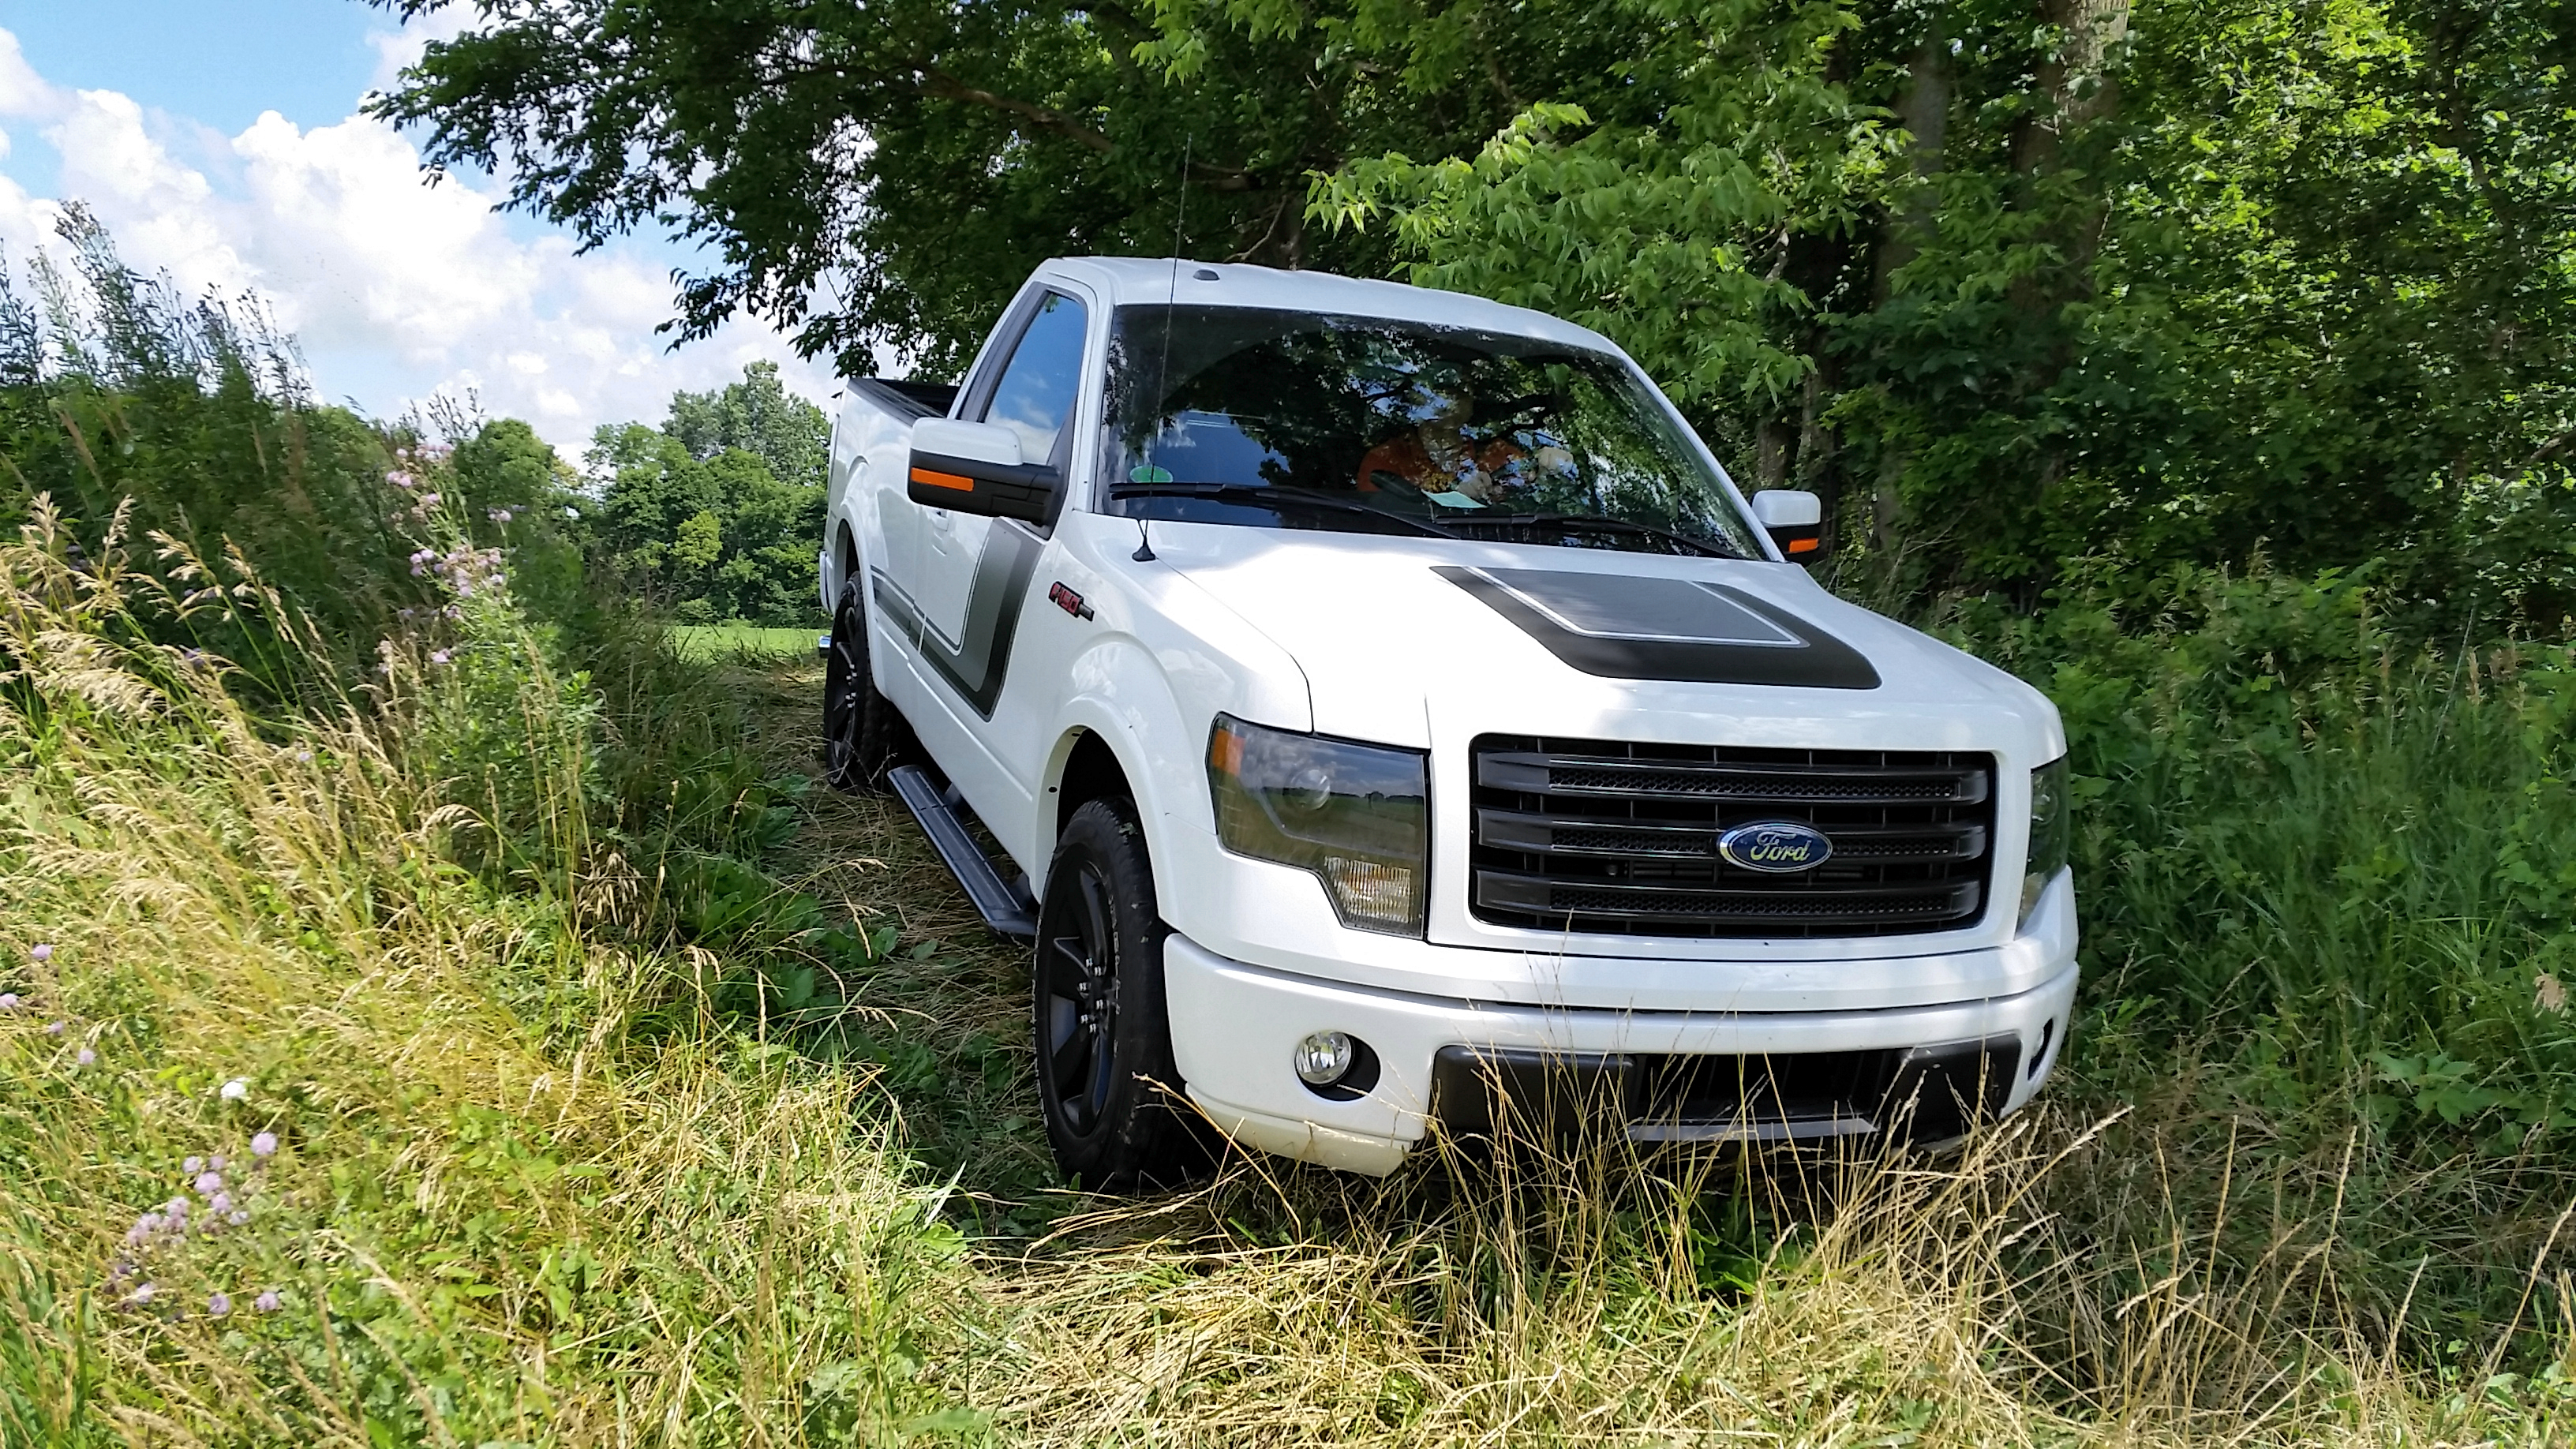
x=975, y=665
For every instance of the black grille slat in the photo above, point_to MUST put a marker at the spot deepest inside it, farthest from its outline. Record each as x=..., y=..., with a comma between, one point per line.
x=1621, y=839
x=1571, y=774
x=1578, y=836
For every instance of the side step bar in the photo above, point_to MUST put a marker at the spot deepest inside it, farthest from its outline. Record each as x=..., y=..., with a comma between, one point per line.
x=1006, y=909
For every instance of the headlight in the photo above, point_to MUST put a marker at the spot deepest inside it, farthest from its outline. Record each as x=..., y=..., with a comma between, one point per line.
x=1358, y=816
x=2048, y=831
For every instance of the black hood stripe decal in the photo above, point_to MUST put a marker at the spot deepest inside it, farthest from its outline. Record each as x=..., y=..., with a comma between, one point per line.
x=1646, y=647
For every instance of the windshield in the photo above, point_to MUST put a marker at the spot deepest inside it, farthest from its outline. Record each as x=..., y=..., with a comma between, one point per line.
x=1362, y=424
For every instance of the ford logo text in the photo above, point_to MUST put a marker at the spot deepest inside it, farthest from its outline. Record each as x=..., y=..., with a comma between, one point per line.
x=1775, y=847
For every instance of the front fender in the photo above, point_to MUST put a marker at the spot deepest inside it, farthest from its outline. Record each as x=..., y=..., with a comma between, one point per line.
x=1121, y=697
x=1170, y=657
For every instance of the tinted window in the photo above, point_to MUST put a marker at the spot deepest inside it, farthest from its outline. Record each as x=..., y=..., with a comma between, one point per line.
x=1035, y=396
x=1304, y=420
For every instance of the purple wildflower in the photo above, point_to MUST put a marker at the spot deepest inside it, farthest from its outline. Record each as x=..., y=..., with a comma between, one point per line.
x=192, y=1166
x=53, y=1028
x=500, y=515
x=8, y=1001
x=236, y=1089
x=404, y=613
x=429, y=500
x=218, y=1304
x=176, y=1207
x=143, y=1292
x=304, y=757
x=44, y=951
x=264, y=1145
x=209, y=1183
x=221, y=1202
x=86, y=1058
x=216, y=1162
x=438, y=656
x=238, y=1217
x=266, y=1302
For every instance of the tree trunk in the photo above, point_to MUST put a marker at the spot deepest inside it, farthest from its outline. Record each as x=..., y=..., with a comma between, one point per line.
x=1924, y=110
x=2075, y=90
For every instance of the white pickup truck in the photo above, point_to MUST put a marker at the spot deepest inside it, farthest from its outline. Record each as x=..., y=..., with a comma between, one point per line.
x=1381, y=710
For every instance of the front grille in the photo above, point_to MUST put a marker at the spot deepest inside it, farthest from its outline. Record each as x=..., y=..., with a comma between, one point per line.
x=1619, y=839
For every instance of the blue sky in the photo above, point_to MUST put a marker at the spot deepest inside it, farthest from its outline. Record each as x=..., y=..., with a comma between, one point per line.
x=218, y=139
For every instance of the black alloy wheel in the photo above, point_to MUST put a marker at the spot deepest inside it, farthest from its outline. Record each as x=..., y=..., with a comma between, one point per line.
x=1107, y=1085
x=861, y=731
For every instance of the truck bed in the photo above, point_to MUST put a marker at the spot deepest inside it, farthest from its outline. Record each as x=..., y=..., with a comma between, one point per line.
x=906, y=399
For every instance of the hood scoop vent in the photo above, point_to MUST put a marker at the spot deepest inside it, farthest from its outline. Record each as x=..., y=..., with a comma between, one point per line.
x=1619, y=626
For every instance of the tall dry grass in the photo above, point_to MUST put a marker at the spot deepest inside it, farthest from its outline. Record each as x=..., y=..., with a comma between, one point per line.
x=476, y=1233
x=1961, y=1301
x=532, y=1184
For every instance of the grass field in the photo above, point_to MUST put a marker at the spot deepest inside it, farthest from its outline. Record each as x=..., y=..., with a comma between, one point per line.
x=741, y=641
x=586, y=1074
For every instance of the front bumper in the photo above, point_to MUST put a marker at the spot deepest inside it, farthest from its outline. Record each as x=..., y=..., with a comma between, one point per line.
x=1234, y=1026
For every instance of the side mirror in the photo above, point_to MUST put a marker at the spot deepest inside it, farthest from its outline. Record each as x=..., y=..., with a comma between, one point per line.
x=1794, y=519
x=976, y=468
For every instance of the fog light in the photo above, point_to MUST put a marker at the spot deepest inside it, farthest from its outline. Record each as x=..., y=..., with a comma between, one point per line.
x=1325, y=1057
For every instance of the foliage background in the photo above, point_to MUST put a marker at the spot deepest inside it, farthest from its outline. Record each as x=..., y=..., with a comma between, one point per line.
x=714, y=515
x=2013, y=283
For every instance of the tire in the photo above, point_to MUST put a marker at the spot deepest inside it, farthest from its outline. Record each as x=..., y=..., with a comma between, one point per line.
x=862, y=734
x=1107, y=1085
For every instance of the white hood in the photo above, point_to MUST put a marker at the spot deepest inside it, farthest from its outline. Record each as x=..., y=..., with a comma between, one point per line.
x=1396, y=634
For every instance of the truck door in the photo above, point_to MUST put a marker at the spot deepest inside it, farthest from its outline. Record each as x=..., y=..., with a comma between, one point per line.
x=973, y=572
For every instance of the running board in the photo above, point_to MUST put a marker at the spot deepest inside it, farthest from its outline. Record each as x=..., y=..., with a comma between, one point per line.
x=1006, y=909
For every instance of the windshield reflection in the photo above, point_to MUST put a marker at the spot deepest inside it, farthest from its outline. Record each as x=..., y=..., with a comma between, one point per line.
x=1301, y=420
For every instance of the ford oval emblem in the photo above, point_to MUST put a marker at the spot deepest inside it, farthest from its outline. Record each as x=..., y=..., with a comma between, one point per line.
x=1775, y=847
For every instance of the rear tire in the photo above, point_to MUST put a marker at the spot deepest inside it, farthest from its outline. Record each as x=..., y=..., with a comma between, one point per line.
x=861, y=730
x=1107, y=1084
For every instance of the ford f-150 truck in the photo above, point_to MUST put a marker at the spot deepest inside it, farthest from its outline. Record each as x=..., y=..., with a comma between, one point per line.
x=1380, y=709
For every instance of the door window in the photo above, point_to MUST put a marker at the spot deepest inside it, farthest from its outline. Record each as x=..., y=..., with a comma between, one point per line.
x=1035, y=396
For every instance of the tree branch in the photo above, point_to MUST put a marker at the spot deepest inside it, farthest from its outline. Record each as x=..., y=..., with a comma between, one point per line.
x=941, y=85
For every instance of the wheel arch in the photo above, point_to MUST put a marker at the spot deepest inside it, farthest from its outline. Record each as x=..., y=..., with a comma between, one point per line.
x=1125, y=734
x=1090, y=771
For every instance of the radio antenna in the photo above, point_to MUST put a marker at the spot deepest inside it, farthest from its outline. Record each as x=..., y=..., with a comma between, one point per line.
x=1163, y=369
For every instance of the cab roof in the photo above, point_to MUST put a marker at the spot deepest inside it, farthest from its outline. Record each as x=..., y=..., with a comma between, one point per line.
x=1124, y=280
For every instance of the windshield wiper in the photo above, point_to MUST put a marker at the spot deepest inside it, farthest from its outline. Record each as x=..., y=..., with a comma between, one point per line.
x=1586, y=523
x=1264, y=493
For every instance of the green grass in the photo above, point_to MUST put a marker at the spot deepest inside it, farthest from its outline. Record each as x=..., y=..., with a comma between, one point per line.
x=708, y=642
x=630, y=1088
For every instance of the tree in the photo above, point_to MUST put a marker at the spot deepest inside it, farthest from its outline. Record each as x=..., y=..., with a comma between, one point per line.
x=2008, y=281
x=2174, y=285
x=757, y=415
x=923, y=155
x=716, y=510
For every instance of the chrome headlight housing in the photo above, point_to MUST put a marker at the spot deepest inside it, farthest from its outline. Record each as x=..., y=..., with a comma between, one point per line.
x=2049, y=831
x=1358, y=816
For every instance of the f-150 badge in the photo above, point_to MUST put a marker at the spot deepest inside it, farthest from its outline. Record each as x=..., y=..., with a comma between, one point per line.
x=1775, y=847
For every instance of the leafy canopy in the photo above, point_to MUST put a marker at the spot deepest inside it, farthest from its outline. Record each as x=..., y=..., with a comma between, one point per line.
x=2008, y=281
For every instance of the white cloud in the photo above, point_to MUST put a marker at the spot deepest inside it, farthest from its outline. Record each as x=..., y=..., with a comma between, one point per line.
x=22, y=91
x=398, y=49
x=398, y=289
